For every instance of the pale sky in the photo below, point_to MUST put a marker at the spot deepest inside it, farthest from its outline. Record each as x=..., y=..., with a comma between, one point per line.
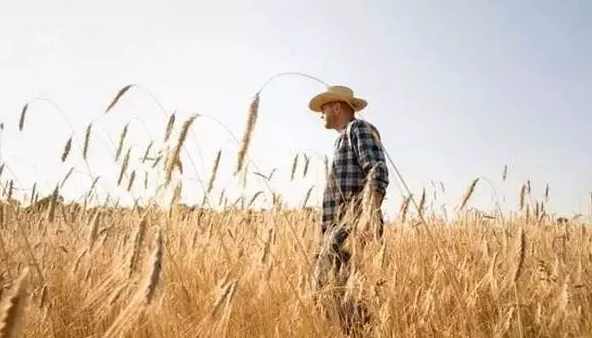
x=457, y=89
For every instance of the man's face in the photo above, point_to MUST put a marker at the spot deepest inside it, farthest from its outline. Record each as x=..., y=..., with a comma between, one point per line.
x=330, y=113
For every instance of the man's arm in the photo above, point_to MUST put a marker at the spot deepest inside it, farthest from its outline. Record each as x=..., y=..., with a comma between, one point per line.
x=371, y=155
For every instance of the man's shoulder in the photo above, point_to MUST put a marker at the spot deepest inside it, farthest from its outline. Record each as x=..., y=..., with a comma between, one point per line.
x=359, y=125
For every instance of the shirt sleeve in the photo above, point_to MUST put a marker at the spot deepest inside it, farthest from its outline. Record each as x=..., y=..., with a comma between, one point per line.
x=366, y=144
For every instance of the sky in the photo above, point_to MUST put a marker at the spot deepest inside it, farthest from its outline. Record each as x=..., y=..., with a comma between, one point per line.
x=458, y=89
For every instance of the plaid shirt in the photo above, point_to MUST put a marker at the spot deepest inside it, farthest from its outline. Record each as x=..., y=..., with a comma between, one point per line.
x=356, y=152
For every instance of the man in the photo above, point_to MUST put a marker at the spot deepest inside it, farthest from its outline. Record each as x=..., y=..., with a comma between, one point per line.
x=358, y=164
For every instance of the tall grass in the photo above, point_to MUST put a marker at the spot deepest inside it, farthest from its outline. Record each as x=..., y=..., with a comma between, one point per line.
x=72, y=270
x=237, y=273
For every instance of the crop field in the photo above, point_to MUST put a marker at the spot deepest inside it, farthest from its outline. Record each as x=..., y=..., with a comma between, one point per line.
x=72, y=269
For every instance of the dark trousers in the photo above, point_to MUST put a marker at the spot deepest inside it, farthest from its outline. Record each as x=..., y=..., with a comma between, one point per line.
x=333, y=262
x=333, y=240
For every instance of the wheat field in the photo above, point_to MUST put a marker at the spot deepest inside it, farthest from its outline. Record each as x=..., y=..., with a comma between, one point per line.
x=73, y=270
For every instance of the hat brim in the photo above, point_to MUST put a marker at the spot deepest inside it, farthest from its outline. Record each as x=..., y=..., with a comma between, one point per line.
x=319, y=100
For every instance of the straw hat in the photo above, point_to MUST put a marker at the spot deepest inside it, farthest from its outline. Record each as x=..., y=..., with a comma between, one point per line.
x=337, y=93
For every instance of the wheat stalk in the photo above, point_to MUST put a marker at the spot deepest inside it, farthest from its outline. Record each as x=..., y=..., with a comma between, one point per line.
x=214, y=171
x=257, y=194
x=246, y=140
x=404, y=208
x=169, y=127
x=173, y=158
x=11, y=317
x=131, y=180
x=306, y=164
x=294, y=165
x=94, y=229
x=468, y=193
x=121, y=140
x=86, y=141
x=138, y=239
x=522, y=196
x=124, y=166
x=22, y=118
x=156, y=268
x=307, y=196
x=147, y=151
x=547, y=192
x=118, y=96
x=422, y=201
x=52, y=205
x=67, y=149
x=68, y=174
x=519, y=254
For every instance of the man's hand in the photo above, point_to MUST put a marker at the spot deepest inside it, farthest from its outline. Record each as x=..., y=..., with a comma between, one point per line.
x=369, y=229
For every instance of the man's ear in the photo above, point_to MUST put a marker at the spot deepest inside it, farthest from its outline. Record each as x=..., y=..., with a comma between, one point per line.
x=337, y=108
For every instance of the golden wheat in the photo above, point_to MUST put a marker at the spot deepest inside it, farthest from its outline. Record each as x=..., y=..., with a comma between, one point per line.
x=173, y=159
x=241, y=272
x=469, y=193
x=11, y=317
x=246, y=140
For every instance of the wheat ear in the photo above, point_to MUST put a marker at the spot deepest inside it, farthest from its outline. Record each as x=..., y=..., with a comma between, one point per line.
x=22, y=119
x=156, y=268
x=67, y=148
x=173, y=158
x=118, y=96
x=86, y=141
x=121, y=140
x=169, y=127
x=246, y=140
x=469, y=193
x=519, y=254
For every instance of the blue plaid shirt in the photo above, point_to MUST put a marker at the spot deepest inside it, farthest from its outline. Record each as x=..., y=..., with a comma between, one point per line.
x=357, y=150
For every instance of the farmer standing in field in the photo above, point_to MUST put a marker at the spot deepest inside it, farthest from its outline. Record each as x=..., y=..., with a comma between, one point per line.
x=358, y=157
